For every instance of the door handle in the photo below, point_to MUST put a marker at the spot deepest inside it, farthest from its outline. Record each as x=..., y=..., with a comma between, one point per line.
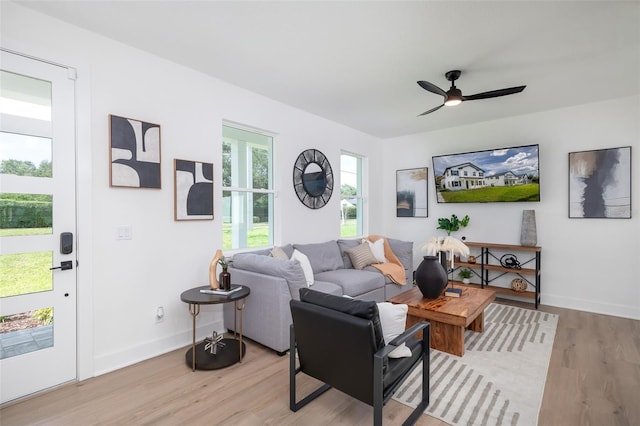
x=67, y=264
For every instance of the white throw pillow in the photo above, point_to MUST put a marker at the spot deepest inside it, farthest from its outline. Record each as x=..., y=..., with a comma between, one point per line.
x=377, y=248
x=305, y=264
x=393, y=318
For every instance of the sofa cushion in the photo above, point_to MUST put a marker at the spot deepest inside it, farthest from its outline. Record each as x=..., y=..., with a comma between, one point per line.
x=361, y=256
x=287, y=249
x=289, y=270
x=344, y=246
x=353, y=281
x=262, y=252
x=355, y=307
x=404, y=252
x=327, y=287
x=323, y=256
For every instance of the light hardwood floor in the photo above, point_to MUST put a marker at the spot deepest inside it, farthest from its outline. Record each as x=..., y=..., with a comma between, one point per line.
x=593, y=379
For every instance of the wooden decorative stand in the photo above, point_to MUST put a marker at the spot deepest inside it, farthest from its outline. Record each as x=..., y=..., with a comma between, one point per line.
x=490, y=263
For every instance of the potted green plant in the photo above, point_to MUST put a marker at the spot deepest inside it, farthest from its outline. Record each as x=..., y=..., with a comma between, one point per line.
x=452, y=224
x=465, y=274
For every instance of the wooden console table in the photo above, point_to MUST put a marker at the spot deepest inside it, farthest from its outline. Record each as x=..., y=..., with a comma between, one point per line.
x=490, y=263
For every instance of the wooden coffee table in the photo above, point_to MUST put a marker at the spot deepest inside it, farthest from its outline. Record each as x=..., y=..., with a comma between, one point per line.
x=449, y=316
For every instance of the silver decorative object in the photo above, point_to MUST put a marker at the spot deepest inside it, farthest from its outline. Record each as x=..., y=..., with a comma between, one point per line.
x=528, y=234
x=213, y=343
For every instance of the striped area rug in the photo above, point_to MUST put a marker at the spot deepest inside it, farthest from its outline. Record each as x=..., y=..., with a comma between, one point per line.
x=499, y=380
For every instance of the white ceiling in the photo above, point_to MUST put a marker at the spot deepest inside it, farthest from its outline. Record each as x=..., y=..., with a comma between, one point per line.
x=357, y=63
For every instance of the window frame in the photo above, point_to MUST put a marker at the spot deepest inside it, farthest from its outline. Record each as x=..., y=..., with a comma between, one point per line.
x=240, y=230
x=360, y=194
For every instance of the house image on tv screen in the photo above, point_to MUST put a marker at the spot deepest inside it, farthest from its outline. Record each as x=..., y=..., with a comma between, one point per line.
x=470, y=176
x=505, y=174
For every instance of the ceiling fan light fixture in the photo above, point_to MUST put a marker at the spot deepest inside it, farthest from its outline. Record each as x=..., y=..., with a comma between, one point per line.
x=453, y=101
x=454, y=97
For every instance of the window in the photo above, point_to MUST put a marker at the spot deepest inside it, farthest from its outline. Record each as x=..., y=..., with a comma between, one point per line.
x=351, y=198
x=454, y=173
x=247, y=188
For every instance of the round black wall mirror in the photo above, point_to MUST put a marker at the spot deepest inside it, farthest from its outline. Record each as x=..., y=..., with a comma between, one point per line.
x=313, y=178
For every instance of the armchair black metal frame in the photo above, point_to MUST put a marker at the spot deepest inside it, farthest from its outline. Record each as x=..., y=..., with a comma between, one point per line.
x=343, y=350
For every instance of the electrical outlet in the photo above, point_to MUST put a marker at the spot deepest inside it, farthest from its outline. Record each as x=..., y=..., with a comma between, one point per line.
x=160, y=314
x=124, y=232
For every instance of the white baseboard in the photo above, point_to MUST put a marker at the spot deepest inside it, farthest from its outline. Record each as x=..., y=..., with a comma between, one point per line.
x=623, y=311
x=152, y=348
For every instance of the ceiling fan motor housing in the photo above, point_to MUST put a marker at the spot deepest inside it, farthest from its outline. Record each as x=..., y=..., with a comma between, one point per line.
x=454, y=96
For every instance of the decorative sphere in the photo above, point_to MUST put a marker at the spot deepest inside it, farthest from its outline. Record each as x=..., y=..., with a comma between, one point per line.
x=518, y=284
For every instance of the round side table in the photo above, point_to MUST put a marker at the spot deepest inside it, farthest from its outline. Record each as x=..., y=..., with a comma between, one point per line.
x=227, y=352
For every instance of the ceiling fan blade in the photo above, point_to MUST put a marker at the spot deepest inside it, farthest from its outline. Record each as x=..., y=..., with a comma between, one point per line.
x=432, y=88
x=494, y=93
x=431, y=110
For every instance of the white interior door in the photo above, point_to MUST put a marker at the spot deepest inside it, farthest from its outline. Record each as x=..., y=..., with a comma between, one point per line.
x=37, y=205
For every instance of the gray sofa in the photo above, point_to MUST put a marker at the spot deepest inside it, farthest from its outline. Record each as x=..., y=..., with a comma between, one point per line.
x=274, y=282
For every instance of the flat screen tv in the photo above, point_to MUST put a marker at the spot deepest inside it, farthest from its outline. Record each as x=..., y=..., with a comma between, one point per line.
x=493, y=175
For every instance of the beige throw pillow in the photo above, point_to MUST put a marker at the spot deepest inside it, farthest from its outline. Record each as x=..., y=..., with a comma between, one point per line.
x=278, y=253
x=361, y=256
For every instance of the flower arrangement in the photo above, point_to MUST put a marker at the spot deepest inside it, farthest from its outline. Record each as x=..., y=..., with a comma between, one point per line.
x=449, y=244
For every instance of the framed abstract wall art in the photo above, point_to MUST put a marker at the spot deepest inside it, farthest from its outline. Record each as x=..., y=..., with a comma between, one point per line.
x=134, y=153
x=193, y=190
x=600, y=183
x=411, y=192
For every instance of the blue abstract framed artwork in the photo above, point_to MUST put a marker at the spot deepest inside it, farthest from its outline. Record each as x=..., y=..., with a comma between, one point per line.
x=600, y=183
x=193, y=190
x=135, y=153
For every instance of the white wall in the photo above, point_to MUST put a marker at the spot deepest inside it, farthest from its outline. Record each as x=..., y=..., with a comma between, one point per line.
x=587, y=264
x=129, y=279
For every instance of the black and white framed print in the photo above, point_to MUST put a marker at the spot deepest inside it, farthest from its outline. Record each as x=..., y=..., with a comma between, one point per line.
x=411, y=192
x=193, y=190
x=600, y=183
x=135, y=153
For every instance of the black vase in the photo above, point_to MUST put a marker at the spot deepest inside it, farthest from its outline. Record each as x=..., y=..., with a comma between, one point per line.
x=225, y=280
x=431, y=277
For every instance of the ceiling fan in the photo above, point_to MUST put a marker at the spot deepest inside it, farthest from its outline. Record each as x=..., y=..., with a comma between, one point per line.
x=454, y=96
